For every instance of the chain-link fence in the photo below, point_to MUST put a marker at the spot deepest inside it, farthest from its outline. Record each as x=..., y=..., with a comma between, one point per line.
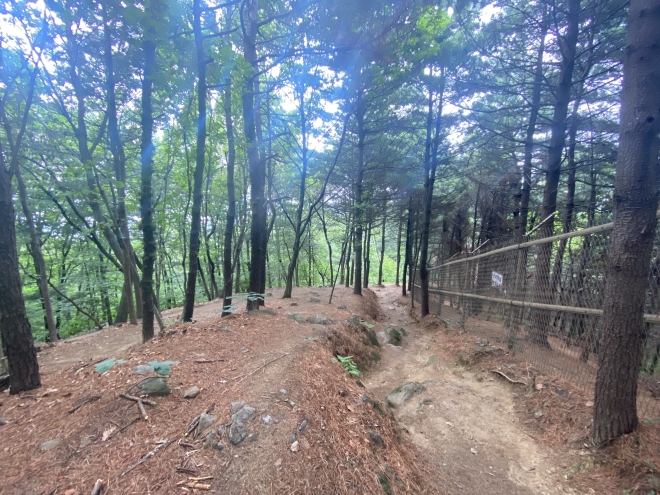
x=543, y=298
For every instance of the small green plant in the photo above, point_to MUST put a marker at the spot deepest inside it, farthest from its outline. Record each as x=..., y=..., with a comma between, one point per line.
x=349, y=365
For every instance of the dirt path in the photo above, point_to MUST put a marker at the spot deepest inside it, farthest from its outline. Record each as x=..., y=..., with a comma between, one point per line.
x=464, y=423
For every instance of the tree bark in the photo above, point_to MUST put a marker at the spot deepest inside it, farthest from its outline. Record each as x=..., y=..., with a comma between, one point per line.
x=398, y=248
x=147, y=151
x=543, y=289
x=257, y=166
x=231, y=202
x=407, y=256
x=382, y=244
x=521, y=226
x=430, y=167
x=359, y=207
x=198, y=177
x=636, y=203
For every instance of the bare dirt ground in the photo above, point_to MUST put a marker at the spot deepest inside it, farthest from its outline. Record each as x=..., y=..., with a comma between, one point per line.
x=464, y=434
x=464, y=423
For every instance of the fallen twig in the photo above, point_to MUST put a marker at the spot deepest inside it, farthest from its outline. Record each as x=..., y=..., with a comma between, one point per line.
x=135, y=420
x=202, y=361
x=512, y=381
x=98, y=488
x=137, y=399
x=76, y=369
x=199, y=486
x=243, y=377
x=84, y=401
x=147, y=456
x=181, y=469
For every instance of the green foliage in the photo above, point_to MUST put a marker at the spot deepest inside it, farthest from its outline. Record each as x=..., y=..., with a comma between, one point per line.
x=349, y=365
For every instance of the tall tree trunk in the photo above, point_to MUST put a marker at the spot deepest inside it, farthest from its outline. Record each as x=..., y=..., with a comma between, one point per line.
x=200, y=153
x=347, y=280
x=147, y=169
x=430, y=166
x=359, y=206
x=398, y=248
x=636, y=203
x=367, y=252
x=543, y=289
x=231, y=201
x=382, y=244
x=15, y=329
x=256, y=164
x=407, y=256
x=521, y=226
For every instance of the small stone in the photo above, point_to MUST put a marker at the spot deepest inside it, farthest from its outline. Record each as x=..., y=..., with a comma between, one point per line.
x=343, y=307
x=268, y=420
x=292, y=438
x=294, y=304
x=283, y=391
x=205, y=422
x=294, y=446
x=314, y=300
x=244, y=414
x=431, y=360
x=366, y=399
x=376, y=439
x=385, y=484
x=3, y=421
x=303, y=426
x=538, y=414
x=143, y=369
x=191, y=393
x=237, y=432
x=427, y=401
x=50, y=444
x=218, y=446
x=538, y=386
x=390, y=308
x=402, y=394
x=560, y=391
x=473, y=450
x=237, y=406
x=589, y=403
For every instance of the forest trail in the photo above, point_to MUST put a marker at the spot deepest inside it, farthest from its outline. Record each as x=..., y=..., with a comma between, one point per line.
x=463, y=423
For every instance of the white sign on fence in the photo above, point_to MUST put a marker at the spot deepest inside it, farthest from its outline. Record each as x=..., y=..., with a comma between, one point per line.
x=498, y=280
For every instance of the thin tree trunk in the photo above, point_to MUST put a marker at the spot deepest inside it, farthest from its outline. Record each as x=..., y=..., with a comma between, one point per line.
x=636, y=203
x=398, y=248
x=531, y=129
x=200, y=153
x=406, y=262
x=231, y=202
x=382, y=244
x=146, y=209
x=38, y=257
x=543, y=289
x=359, y=206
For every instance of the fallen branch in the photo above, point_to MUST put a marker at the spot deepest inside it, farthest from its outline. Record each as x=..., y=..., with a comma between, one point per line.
x=201, y=361
x=84, y=401
x=147, y=456
x=180, y=469
x=76, y=369
x=195, y=421
x=98, y=488
x=509, y=379
x=243, y=377
x=199, y=486
x=135, y=420
x=138, y=399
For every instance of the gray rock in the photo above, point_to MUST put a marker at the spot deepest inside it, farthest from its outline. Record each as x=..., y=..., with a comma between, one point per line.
x=385, y=484
x=50, y=444
x=3, y=421
x=366, y=399
x=283, y=391
x=237, y=406
x=394, y=336
x=321, y=319
x=376, y=439
x=268, y=420
x=225, y=329
x=402, y=394
x=538, y=414
x=292, y=438
x=243, y=415
x=294, y=304
x=237, y=432
x=143, y=369
x=153, y=386
x=343, y=306
x=205, y=422
x=314, y=300
x=191, y=393
x=303, y=426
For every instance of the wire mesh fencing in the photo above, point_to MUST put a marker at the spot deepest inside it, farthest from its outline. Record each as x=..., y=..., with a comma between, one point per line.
x=543, y=298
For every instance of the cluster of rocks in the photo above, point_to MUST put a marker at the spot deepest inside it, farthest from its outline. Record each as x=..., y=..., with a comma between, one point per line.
x=391, y=335
x=319, y=319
